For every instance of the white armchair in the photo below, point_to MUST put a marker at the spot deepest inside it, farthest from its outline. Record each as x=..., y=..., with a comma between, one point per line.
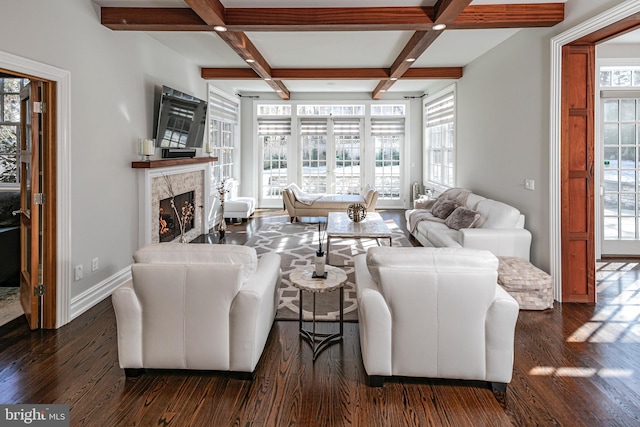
x=196, y=306
x=434, y=313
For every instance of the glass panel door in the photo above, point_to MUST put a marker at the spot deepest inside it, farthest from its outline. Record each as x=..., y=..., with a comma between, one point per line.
x=347, y=147
x=313, y=145
x=621, y=174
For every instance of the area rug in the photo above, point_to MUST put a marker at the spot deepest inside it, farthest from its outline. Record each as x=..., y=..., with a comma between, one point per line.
x=296, y=243
x=10, y=307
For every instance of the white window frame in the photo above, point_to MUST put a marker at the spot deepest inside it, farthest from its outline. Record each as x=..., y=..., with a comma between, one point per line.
x=215, y=147
x=367, y=160
x=426, y=163
x=598, y=130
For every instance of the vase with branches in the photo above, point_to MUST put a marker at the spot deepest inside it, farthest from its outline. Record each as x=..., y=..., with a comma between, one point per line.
x=222, y=190
x=186, y=213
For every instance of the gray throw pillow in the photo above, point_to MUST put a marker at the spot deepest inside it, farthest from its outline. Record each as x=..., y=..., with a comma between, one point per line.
x=442, y=208
x=462, y=217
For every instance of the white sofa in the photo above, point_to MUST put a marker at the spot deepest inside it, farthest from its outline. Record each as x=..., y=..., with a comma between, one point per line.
x=299, y=204
x=498, y=227
x=196, y=306
x=434, y=313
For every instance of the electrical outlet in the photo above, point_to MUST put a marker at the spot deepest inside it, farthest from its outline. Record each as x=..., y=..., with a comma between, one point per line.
x=94, y=264
x=79, y=273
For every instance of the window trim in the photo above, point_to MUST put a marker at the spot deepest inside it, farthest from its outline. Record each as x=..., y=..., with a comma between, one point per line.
x=236, y=165
x=402, y=202
x=426, y=182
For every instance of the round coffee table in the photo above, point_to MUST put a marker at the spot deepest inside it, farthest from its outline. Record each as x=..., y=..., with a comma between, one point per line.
x=302, y=279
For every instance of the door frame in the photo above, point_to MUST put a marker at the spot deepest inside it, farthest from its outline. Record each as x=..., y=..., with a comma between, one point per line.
x=58, y=297
x=597, y=28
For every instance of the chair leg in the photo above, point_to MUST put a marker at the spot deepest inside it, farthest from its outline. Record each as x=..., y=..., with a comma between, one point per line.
x=133, y=372
x=500, y=392
x=375, y=380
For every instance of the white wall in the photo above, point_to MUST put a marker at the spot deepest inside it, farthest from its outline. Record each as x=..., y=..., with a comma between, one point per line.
x=113, y=79
x=503, y=122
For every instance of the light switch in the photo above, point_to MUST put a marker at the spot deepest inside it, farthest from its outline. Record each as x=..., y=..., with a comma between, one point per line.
x=530, y=184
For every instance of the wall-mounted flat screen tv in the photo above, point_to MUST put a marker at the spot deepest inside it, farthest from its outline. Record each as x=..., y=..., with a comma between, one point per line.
x=181, y=120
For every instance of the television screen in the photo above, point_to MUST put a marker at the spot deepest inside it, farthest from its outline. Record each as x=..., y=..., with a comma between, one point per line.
x=181, y=120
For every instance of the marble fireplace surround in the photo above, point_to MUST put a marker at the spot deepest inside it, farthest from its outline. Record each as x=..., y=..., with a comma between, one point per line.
x=153, y=188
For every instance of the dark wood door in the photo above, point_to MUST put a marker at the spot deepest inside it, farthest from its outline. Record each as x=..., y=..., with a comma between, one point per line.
x=30, y=267
x=577, y=183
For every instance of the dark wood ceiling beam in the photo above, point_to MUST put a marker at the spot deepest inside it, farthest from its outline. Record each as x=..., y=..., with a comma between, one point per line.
x=447, y=10
x=508, y=16
x=345, y=19
x=240, y=43
x=152, y=19
x=330, y=73
x=211, y=11
x=416, y=46
x=334, y=19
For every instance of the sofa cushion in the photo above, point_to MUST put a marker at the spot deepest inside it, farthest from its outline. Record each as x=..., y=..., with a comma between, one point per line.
x=186, y=253
x=421, y=258
x=462, y=217
x=443, y=208
x=494, y=214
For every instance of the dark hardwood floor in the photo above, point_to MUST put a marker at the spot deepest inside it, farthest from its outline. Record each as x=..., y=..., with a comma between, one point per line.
x=575, y=365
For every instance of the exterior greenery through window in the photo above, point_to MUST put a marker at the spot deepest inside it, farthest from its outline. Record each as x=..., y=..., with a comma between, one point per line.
x=439, y=139
x=320, y=147
x=10, y=128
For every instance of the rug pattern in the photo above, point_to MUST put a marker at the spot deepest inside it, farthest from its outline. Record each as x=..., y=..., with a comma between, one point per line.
x=296, y=243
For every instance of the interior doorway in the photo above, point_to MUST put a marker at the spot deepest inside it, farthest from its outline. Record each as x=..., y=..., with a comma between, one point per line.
x=572, y=152
x=37, y=193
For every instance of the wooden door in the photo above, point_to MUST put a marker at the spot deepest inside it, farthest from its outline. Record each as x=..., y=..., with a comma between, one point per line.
x=30, y=143
x=577, y=183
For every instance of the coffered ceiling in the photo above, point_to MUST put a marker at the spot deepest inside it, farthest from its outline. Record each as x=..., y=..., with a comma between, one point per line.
x=373, y=46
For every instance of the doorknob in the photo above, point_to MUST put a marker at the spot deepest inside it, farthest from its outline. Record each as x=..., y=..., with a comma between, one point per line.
x=14, y=213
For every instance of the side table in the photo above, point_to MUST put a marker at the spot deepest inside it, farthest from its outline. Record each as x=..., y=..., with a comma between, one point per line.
x=301, y=279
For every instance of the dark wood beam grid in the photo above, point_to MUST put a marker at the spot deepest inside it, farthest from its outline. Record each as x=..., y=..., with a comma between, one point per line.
x=205, y=14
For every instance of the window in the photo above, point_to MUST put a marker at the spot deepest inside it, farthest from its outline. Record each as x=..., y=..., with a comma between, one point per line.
x=332, y=147
x=620, y=134
x=346, y=133
x=439, y=139
x=10, y=128
x=274, y=134
x=313, y=155
x=223, y=134
x=388, y=139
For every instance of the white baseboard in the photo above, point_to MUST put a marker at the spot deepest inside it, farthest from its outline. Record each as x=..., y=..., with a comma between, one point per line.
x=97, y=293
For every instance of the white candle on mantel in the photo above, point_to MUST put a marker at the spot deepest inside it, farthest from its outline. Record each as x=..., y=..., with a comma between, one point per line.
x=147, y=147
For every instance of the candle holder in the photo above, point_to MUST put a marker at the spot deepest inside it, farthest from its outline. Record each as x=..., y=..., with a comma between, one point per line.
x=146, y=148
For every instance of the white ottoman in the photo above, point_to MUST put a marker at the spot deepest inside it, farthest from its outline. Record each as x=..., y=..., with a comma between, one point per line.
x=525, y=282
x=239, y=207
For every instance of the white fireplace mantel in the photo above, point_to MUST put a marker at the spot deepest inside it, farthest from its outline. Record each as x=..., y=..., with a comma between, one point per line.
x=152, y=187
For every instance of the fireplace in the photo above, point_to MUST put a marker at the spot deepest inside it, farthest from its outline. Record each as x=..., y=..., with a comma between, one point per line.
x=155, y=194
x=169, y=222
